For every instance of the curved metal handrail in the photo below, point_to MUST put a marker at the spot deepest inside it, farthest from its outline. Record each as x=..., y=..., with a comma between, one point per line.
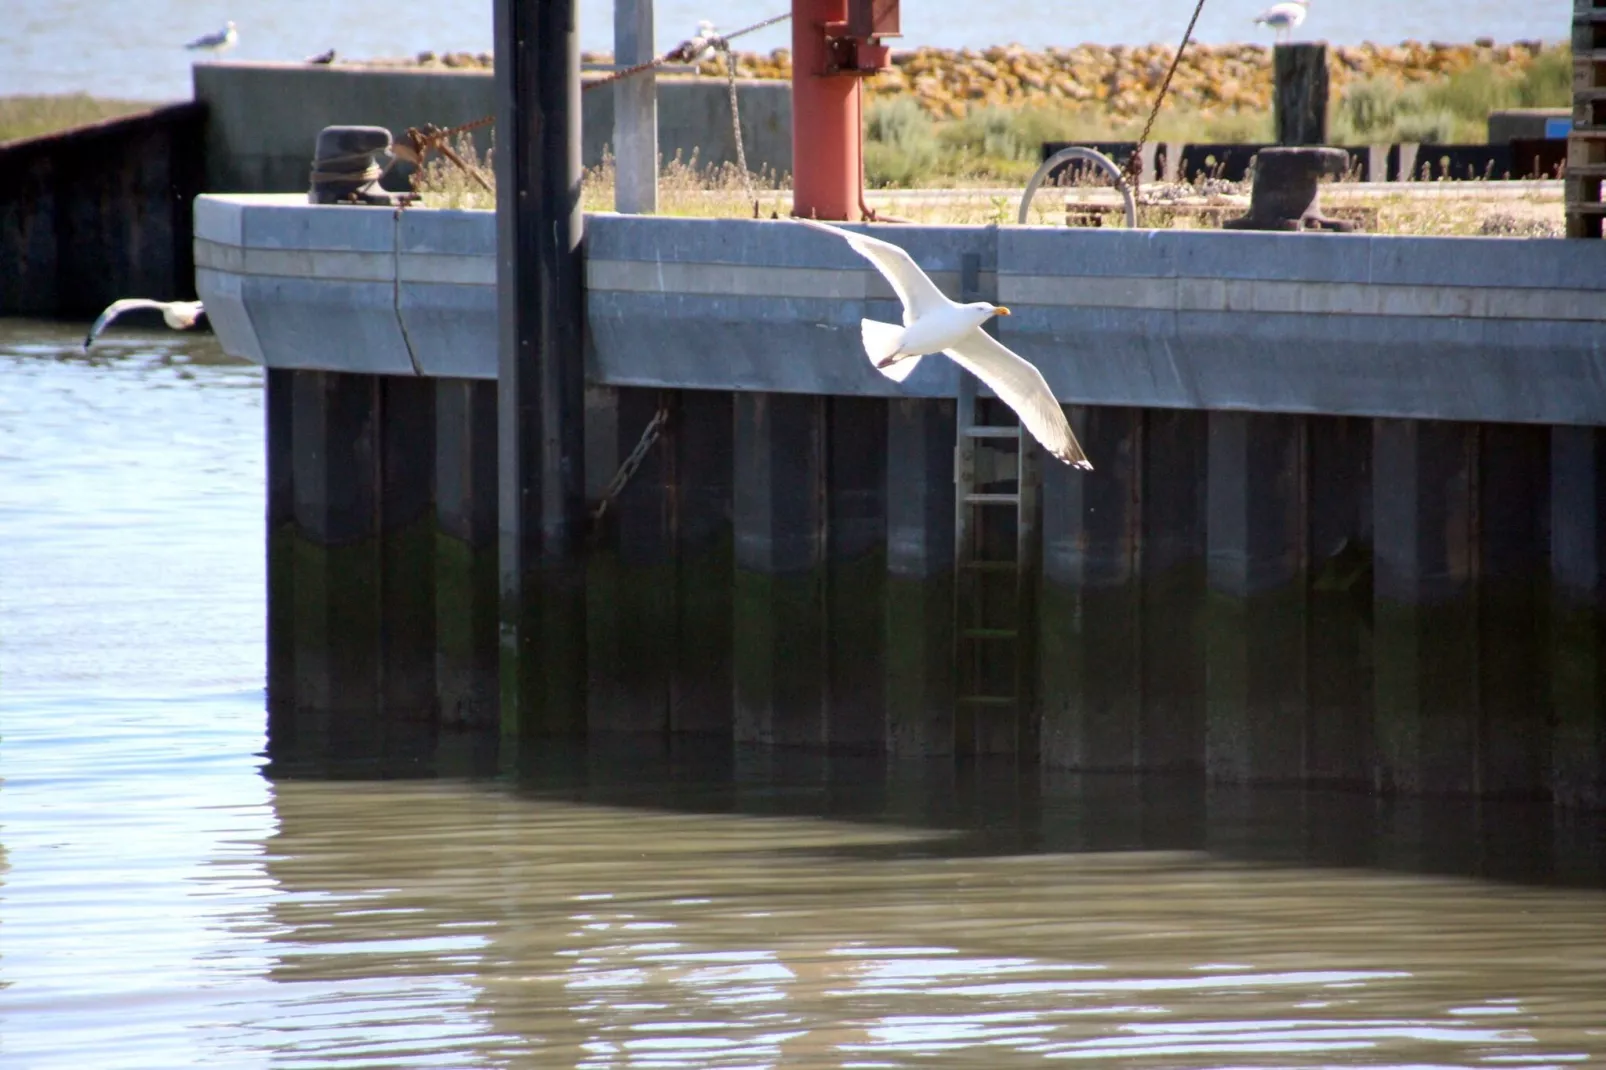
x=1093, y=156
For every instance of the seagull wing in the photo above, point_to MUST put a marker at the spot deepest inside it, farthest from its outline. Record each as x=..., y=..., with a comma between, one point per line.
x=1022, y=387
x=211, y=40
x=913, y=286
x=115, y=309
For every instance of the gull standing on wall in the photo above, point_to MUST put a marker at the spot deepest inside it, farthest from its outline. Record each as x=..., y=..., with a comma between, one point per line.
x=1284, y=18
x=179, y=315
x=933, y=324
x=222, y=41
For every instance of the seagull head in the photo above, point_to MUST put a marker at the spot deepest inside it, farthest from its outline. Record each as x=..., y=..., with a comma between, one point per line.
x=987, y=309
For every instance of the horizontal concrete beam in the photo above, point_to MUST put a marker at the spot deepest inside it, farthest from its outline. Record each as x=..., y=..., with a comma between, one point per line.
x=1431, y=328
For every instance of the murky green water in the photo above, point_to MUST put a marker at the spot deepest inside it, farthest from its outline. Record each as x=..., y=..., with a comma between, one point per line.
x=175, y=892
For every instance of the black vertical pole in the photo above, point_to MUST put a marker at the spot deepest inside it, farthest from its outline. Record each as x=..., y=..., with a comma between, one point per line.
x=540, y=390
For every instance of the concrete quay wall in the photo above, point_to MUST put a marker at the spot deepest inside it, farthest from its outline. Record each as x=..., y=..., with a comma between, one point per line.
x=263, y=118
x=1261, y=580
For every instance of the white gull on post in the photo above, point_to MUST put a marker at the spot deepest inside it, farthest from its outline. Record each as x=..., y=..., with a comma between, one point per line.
x=221, y=41
x=934, y=324
x=1284, y=18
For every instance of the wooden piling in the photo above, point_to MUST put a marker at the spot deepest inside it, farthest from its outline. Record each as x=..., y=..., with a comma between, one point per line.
x=1255, y=636
x=1576, y=637
x=919, y=617
x=1089, y=668
x=465, y=552
x=779, y=638
x=1299, y=93
x=1425, y=645
x=1171, y=723
x=700, y=446
x=856, y=572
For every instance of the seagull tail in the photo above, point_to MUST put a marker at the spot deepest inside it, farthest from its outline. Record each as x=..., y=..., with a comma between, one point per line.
x=881, y=342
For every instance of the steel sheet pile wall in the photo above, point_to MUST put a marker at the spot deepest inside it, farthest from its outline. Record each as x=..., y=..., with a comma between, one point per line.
x=100, y=212
x=1297, y=559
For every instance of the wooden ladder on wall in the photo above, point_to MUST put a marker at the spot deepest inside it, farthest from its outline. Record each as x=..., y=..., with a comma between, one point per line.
x=995, y=546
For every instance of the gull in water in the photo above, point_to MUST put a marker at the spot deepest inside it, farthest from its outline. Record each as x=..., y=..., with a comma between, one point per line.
x=221, y=41
x=179, y=315
x=1284, y=18
x=933, y=324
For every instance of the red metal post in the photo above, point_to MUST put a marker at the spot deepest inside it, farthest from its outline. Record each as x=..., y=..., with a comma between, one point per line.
x=825, y=118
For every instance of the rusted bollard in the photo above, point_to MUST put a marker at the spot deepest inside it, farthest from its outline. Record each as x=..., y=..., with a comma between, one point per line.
x=1285, y=194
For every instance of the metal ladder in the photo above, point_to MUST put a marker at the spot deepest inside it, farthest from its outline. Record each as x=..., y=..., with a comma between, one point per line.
x=995, y=636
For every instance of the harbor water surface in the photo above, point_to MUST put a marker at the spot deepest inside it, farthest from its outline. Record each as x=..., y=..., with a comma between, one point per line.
x=181, y=886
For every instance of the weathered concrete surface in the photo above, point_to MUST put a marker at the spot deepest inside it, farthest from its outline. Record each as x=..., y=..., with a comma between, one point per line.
x=1411, y=328
x=264, y=117
x=100, y=212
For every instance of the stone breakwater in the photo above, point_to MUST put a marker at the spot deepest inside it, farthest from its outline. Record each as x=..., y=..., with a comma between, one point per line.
x=1118, y=79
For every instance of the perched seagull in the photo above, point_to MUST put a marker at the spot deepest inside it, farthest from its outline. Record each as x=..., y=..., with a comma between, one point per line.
x=221, y=41
x=179, y=315
x=1284, y=18
x=932, y=323
x=699, y=47
x=321, y=57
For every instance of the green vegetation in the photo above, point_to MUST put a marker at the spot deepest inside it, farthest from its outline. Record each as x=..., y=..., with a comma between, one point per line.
x=31, y=116
x=904, y=146
x=1453, y=110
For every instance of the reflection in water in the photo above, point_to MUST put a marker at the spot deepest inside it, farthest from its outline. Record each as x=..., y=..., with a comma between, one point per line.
x=912, y=924
x=180, y=892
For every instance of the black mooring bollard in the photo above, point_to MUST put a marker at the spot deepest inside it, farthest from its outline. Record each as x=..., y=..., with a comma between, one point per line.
x=540, y=391
x=1285, y=194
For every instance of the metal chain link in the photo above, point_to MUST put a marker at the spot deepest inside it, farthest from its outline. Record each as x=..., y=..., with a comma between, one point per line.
x=649, y=435
x=1134, y=163
x=724, y=45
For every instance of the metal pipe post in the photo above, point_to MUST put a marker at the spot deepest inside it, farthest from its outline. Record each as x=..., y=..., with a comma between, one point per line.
x=635, y=111
x=540, y=387
x=825, y=119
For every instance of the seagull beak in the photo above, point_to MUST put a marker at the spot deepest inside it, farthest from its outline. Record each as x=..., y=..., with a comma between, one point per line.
x=1000, y=311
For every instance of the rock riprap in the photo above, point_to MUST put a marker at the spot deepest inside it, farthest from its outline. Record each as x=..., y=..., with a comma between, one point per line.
x=1121, y=79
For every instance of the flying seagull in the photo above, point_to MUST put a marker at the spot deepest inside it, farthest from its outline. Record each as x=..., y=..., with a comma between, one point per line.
x=1284, y=18
x=179, y=315
x=221, y=41
x=932, y=323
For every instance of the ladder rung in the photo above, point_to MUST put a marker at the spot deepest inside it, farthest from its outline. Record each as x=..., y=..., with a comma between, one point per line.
x=990, y=566
x=990, y=432
x=992, y=499
x=987, y=700
x=990, y=633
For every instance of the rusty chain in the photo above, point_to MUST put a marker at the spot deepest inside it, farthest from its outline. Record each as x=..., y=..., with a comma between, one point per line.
x=621, y=478
x=1134, y=163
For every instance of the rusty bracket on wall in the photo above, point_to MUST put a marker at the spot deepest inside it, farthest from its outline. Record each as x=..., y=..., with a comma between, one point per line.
x=853, y=47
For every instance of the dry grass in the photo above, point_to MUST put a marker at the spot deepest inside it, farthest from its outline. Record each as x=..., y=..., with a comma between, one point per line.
x=688, y=189
x=31, y=116
x=685, y=187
